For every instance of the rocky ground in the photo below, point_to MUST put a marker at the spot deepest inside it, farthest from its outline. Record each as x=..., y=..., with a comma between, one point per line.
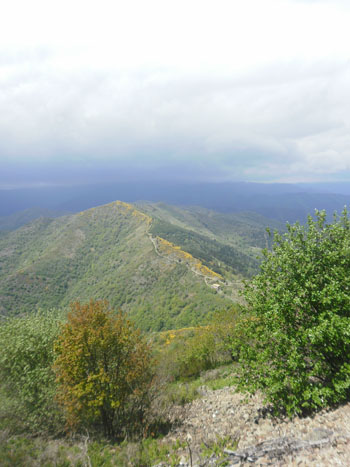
x=233, y=431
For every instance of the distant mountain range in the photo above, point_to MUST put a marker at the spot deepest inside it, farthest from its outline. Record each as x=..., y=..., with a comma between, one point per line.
x=284, y=202
x=166, y=266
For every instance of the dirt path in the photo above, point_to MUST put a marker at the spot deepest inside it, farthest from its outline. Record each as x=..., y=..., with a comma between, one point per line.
x=154, y=242
x=235, y=286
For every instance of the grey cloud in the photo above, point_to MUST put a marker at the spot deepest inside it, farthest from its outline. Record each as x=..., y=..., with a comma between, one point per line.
x=279, y=121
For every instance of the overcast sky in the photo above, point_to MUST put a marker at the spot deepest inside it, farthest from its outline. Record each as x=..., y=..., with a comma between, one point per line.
x=255, y=90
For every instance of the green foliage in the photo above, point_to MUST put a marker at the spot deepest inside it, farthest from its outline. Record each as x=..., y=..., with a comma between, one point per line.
x=27, y=380
x=16, y=220
x=297, y=328
x=186, y=353
x=104, y=253
x=217, y=448
x=20, y=451
x=216, y=255
x=103, y=368
x=179, y=299
x=186, y=390
x=240, y=229
x=201, y=352
x=148, y=452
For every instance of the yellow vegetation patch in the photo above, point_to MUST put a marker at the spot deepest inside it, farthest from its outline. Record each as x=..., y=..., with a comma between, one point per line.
x=134, y=212
x=169, y=336
x=169, y=248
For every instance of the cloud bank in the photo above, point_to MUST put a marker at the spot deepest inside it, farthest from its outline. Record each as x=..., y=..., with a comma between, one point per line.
x=223, y=90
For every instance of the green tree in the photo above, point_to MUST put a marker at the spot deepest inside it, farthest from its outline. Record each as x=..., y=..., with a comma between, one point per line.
x=103, y=368
x=296, y=347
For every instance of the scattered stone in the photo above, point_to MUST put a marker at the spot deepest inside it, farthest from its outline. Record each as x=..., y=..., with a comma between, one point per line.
x=253, y=437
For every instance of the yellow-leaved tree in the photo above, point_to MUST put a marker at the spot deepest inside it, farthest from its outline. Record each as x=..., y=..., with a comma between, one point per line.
x=103, y=368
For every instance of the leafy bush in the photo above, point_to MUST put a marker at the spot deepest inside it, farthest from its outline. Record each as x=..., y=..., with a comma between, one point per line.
x=103, y=368
x=27, y=380
x=297, y=328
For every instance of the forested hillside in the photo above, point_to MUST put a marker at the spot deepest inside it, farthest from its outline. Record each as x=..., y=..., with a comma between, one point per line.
x=101, y=253
x=17, y=219
x=107, y=253
x=227, y=243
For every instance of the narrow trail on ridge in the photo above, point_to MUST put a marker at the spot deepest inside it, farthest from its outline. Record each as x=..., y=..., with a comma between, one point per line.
x=207, y=279
x=171, y=260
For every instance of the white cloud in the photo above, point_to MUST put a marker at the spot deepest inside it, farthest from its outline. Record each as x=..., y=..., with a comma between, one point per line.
x=248, y=88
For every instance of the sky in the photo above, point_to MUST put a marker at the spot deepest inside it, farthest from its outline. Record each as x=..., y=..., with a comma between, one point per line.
x=207, y=90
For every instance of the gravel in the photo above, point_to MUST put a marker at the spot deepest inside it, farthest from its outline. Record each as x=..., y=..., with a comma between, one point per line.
x=322, y=440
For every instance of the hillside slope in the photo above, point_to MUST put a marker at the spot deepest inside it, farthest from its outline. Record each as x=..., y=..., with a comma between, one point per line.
x=16, y=220
x=104, y=252
x=229, y=244
x=167, y=267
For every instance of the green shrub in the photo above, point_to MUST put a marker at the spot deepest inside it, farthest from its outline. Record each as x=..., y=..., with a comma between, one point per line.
x=297, y=328
x=27, y=380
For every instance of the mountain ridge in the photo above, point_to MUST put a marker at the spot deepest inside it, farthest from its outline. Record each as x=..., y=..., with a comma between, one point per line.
x=165, y=266
x=104, y=252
